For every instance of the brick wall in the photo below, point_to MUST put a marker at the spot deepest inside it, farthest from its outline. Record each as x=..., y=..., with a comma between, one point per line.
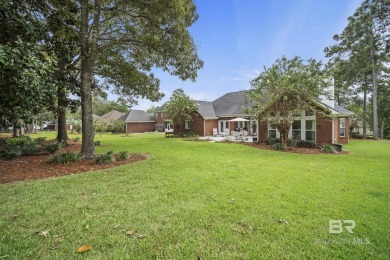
x=262, y=132
x=140, y=127
x=342, y=140
x=210, y=125
x=324, y=129
x=196, y=125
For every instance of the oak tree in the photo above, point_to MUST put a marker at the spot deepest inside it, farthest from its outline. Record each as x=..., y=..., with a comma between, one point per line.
x=122, y=41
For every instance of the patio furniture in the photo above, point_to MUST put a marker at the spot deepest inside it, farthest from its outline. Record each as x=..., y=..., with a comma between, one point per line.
x=215, y=132
x=236, y=135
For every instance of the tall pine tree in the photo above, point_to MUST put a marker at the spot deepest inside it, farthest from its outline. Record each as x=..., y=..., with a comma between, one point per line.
x=363, y=46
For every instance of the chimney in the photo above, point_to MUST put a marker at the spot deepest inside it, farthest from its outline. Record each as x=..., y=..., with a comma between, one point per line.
x=329, y=100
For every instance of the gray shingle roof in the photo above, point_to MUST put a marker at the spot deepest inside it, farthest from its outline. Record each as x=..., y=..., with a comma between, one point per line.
x=138, y=116
x=342, y=110
x=230, y=104
x=112, y=115
x=206, y=109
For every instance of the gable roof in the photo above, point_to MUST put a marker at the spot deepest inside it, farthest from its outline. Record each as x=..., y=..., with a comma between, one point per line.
x=342, y=110
x=112, y=115
x=138, y=116
x=206, y=109
x=230, y=104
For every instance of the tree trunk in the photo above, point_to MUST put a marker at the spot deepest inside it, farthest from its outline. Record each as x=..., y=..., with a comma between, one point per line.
x=35, y=126
x=382, y=128
x=365, y=113
x=15, y=130
x=62, y=134
x=374, y=88
x=28, y=129
x=88, y=57
x=284, y=138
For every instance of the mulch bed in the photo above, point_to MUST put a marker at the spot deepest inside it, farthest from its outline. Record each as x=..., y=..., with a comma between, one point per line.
x=301, y=150
x=37, y=166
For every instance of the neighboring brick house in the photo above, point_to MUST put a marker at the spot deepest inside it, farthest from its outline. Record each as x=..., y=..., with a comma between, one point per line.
x=138, y=121
x=111, y=116
x=310, y=126
x=54, y=126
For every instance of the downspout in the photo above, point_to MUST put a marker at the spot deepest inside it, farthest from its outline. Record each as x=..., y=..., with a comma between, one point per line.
x=332, y=131
x=204, y=127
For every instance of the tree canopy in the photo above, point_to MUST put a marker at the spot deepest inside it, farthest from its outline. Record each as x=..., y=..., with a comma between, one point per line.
x=102, y=106
x=286, y=89
x=26, y=68
x=362, y=50
x=180, y=107
x=121, y=41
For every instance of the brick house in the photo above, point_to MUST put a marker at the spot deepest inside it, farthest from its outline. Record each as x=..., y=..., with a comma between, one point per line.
x=217, y=115
x=139, y=121
x=325, y=124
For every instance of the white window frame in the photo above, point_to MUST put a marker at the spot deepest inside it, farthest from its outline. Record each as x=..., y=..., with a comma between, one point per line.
x=343, y=127
x=225, y=127
x=311, y=130
x=290, y=135
x=269, y=128
x=187, y=124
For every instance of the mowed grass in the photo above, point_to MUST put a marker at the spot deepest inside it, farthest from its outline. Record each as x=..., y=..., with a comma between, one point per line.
x=205, y=200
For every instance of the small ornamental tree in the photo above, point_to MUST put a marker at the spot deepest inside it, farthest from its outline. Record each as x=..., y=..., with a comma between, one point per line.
x=180, y=107
x=286, y=89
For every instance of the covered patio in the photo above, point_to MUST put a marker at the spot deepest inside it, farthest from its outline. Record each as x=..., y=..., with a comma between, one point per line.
x=237, y=129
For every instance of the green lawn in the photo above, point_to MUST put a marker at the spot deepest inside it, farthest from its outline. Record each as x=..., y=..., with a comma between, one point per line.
x=208, y=200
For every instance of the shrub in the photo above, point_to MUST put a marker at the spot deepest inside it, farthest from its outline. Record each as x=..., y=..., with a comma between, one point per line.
x=307, y=144
x=189, y=134
x=65, y=158
x=278, y=146
x=40, y=140
x=52, y=148
x=123, y=155
x=97, y=143
x=12, y=152
x=104, y=158
x=357, y=136
x=24, y=145
x=328, y=148
x=117, y=126
x=270, y=141
x=292, y=143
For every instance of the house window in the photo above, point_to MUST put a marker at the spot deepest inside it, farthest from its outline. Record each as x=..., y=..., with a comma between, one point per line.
x=187, y=124
x=342, y=127
x=296, y=130
x=271, y=131
x=162, y=115
x=311, y=130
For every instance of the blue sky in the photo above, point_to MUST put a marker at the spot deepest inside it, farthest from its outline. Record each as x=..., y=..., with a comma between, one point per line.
x=237, y=38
